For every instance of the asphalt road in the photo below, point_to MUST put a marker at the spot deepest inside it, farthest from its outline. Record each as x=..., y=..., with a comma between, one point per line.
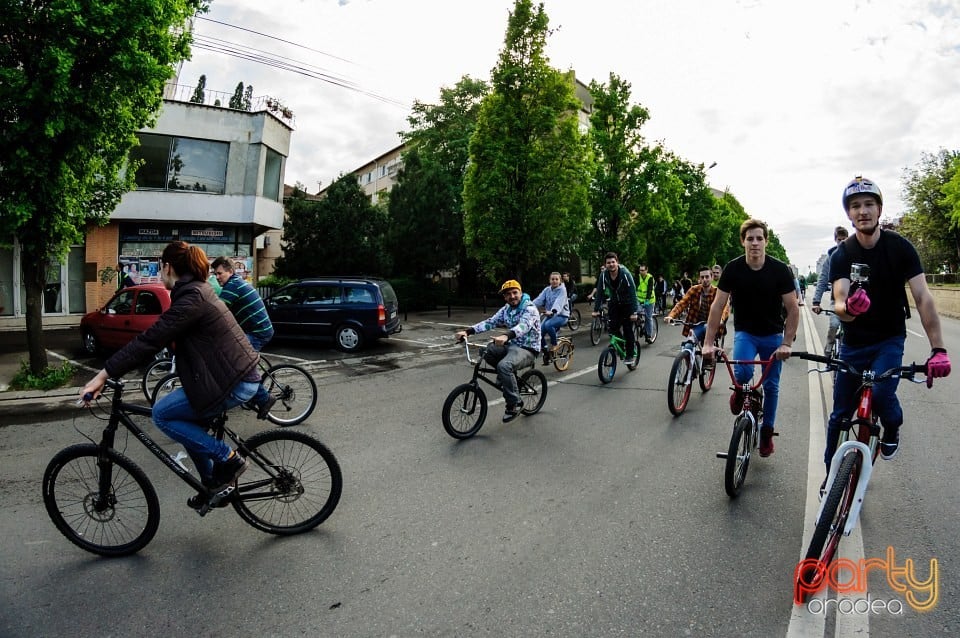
x=600, y=516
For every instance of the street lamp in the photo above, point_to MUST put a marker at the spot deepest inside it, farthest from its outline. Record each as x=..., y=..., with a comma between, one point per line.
x=711, y=166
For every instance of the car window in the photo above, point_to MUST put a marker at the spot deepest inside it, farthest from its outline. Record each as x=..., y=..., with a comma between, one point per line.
x=358, y=295
x=148, y=304
x=389, y=296
x=288, y=295
x=122, y=304
x=322, y=295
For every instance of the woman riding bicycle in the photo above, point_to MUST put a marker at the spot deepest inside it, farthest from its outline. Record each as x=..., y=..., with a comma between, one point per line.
x=217, y=365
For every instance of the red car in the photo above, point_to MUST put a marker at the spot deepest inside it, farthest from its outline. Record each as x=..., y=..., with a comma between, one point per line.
x=130, y=312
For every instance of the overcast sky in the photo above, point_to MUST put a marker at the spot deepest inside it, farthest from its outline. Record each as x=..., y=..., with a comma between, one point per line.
x=791, y=100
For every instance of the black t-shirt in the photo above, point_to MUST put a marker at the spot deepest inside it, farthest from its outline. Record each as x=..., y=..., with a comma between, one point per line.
x=893, y=261
x=756, y=295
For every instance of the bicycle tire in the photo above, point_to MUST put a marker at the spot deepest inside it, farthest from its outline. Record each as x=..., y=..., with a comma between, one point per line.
x=707, y=373
x=164, y=387
x=295, y=392
x=121, y=527
x=656, y=330
x=607, y=365
x=833, y=518
x=596, y=330
x=300, y=490
x=574, y=321
x=563, y=356
x=158, y=369
x=678, y=391
x=738, y=456
x=464, y=411
x=532, y=385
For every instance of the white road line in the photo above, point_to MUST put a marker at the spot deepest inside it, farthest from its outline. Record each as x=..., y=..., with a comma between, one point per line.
x=429, y=344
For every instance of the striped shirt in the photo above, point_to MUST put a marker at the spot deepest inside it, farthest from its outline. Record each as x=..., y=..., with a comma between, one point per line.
x=247, y=307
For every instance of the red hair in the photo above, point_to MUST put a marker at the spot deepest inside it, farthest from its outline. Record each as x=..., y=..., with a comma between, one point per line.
x=186, y=259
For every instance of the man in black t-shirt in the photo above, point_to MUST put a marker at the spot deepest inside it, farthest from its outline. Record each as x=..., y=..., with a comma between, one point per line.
x=759, y=287
x=868, y=272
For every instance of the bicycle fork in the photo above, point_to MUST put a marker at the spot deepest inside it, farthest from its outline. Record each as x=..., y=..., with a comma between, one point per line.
x=866, y=469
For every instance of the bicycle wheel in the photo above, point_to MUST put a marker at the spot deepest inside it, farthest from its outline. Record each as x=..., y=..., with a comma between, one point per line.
x=464, y=411
x=738, y=456
x=707, y=372
x=656, y=330
x=596, y=330
x=563, y=356
x=295, y=392
x=164, y=386
x=158, y=369
x=292, y=483
x=678, y=390
x=833, y=517
x=574, y=320
x=533, y=391
x=120, y=522
x=607, y=365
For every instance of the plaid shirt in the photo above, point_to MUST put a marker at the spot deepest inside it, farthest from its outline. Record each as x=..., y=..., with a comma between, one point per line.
x=697, y=303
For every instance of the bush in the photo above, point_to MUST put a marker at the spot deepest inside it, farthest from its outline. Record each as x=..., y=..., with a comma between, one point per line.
x=419, y=294
x=52, y=377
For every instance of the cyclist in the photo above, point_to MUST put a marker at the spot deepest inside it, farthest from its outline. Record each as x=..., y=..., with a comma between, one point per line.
x=618, y=287
x=823, y=282
x=570, y=287
x=759, y=287
x=697, y=303
x=553, y=301
x=661, y=293
x=217, y=365
x=247, y=307
x=715, y=273
x=646, y=297
x=515, y=349
x=875, y=312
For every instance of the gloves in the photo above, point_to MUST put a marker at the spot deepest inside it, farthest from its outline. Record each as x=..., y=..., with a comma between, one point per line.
x=938, y=365
x=858, y=303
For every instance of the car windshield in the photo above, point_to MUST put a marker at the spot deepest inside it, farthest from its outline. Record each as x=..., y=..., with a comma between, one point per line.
x=389, y=296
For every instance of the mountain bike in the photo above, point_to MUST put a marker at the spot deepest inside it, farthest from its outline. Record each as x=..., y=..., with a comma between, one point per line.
x=597, y=325
x=686, y=365
x=607, y=365
x=745, y=437
x=293, y=388
x=164, y=363
x=640, y=328
x=465, y=408
x=102, y=501
x=850, y=469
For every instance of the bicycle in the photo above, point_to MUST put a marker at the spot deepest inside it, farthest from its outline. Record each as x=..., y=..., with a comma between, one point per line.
x=574, y=321
x=561, y=356
x=293, y=388
x=607, y=365
x=745, y=437
x=596, y=326
x=686, y=365
x=465, y=408
x=838, y=338
x=640, y=328
x=103, y=502
x=846, y=484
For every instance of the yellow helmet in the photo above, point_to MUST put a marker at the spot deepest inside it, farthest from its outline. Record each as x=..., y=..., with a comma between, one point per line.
x=508, y=284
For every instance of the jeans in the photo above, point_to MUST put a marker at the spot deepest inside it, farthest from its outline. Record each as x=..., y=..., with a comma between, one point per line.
x=621, y=326
x=831, y=334
x=257, y=342
x=647, y=309
x=176, y=418
x=700, y=332
x=515, y=359
x=550, y=326
x=879, y=357
x=748, y=346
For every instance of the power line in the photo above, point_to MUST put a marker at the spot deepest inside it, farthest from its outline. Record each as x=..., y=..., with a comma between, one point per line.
x=272, y=37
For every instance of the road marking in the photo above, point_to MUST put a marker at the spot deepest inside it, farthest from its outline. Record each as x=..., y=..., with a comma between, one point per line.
x=427, y=344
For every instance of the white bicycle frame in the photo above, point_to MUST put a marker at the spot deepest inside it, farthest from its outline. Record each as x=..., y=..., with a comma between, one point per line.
x=866, y=469
x=689, y=347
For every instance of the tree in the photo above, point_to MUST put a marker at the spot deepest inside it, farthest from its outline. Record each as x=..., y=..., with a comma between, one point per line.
x=247, y=103
x=341, y=233
x=71, y=106
x=236, y=100
x=197, y=97
x=931, y=215
x=525, y=190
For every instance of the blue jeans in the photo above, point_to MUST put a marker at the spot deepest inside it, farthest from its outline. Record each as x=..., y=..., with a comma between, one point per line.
x=647, y=310
x=550, y=326
x=748, y=346
x=878, y=357
x=700, y=332
x=515, y=359
x=257, y=342
x=176, y=418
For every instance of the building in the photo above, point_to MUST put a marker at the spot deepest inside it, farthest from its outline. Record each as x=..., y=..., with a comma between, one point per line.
x=211, y=176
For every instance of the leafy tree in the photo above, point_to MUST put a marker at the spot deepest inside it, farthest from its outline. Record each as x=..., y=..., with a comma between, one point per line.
x=525, y=191
x=71, y=106
x=930, y=217
x=197, y=97
x=247, y=98
x=236, y=100
x=341, y=233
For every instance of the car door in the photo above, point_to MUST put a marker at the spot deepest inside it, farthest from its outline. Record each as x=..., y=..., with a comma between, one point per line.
x=116, y=321
x=320, y=310
x=283, y=306
x=146, y=311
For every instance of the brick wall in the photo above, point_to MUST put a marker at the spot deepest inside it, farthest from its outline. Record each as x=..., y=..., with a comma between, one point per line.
x=102, y=246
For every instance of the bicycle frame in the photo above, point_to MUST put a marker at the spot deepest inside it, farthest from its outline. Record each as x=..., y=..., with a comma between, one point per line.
x=746, y=389
x=480, y=370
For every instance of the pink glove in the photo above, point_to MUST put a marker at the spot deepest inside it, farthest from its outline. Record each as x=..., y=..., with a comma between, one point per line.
x=858, y=303
x=938, y=365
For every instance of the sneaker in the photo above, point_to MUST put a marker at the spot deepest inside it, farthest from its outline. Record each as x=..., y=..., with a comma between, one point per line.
x=264, y=408
x=736, y=403
x=228, y=471
x=889, y=443
x=766, y=442
x=512, y=412
x=649, y=340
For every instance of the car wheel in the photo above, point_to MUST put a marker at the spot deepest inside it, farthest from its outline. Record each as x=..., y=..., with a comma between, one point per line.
x=90, y=345
x=349, y=338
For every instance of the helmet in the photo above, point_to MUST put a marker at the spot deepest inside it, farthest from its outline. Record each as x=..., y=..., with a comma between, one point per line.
x=861, y=185
x=508, y=284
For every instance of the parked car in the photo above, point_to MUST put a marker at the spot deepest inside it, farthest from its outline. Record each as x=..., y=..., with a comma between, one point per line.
x=131, y=311
x=350, y=310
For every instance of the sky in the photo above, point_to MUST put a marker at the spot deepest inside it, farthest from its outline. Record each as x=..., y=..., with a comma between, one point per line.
x=791, y=100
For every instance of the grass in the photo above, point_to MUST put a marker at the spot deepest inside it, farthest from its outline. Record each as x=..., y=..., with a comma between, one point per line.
x=52, y=377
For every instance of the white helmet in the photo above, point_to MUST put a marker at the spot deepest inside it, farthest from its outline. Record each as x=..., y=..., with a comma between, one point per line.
x=861, y=185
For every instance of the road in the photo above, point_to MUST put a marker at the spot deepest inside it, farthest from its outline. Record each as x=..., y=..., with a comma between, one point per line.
x=600, y=516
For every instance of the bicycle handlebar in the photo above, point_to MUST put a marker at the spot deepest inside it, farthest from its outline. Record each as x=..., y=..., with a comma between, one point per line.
x=904, y=372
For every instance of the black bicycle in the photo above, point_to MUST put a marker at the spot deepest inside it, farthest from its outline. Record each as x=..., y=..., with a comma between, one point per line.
x=574, y=321
x=597, y=325
x=640, y=328
x=104, y=503
x=465, y=408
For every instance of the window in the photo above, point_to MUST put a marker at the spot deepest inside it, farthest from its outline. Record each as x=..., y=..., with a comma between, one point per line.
x=148, y=304
x=180, y=163
x=383, y=170
x=322, y=295
x=358, y=295
x=121, y=304
x=271, y=175
x=154, y=151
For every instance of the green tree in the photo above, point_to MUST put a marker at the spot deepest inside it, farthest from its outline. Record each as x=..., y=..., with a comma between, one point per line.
x=341, y=233
x=197, y=97
x=236, y=100
x=247, y=103
x=71, y=106
x=525, y=191
x=930, y=217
